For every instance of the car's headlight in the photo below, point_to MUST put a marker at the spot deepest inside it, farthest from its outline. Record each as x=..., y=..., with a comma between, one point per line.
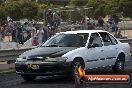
x=56, y=59
x=20, y=60
x=39, y=57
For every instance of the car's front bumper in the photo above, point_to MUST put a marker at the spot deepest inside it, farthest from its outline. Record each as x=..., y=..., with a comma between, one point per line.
x=45, y=68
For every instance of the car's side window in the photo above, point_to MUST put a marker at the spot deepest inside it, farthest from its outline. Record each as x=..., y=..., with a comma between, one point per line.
x=83, y=38
x=114, y=41
x=95, y=40
x=106, y=39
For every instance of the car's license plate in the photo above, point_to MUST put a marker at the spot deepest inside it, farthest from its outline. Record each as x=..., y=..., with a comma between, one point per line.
x=33, y=66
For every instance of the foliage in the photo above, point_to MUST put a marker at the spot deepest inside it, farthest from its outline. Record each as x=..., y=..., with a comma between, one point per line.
x=78, y=2
x=19, y=9
x=34, y=9
x=125, y=6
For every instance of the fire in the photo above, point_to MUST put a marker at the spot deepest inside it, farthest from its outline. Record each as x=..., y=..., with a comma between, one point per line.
x=81, y=71
x=79, y=77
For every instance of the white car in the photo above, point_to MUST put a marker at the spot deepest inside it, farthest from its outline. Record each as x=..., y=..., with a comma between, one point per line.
x=102, y=49
x=61, y=53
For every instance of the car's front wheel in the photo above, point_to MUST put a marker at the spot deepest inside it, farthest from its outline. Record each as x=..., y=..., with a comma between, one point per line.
x=76, y=63
x=119, y=65
x=28, y=77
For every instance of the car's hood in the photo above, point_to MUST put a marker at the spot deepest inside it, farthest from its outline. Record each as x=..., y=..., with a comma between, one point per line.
x=46, y=52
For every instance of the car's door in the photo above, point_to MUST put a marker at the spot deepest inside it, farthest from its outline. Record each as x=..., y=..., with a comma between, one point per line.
x=94, y=52
x=110, y=48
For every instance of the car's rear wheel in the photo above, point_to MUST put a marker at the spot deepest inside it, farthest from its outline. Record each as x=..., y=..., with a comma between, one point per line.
x=28, y=77
x=119, y=65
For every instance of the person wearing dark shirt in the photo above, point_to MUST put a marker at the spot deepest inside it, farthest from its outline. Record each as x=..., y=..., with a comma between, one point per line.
x=100, y=21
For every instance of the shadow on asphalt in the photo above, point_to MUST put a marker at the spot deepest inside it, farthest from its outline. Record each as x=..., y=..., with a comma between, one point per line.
x=60, y=79
x=57, y=80
x=51, y=80
x=67, y=80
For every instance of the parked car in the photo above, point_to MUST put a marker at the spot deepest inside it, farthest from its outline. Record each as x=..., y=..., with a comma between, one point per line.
x=59, y=54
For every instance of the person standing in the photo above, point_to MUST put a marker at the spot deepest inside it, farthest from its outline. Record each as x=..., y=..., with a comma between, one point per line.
x=50, y=32
x=11, y=28
x=33, y=30
x=24, y=30
x=14, y=39
x=19, y=34
x=40, y=34
x=1, y=28
x=112, y=23
x=46, y=34
x=100, y=21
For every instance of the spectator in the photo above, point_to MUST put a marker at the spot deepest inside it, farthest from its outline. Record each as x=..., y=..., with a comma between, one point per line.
x=46, y=34
x=24, y=31
x=114, y=26
x=35, y=41
x=100, y=21
x=112, y=23
x=14, y=33
x=110, y=18
x=33, y=30
x=40, y=34
x=116, y=19
x=11, y=29
x=19, y=34
x=28, y=34
x=1, y=28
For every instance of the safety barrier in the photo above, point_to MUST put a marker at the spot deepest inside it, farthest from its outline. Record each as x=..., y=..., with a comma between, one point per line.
x=12, y=54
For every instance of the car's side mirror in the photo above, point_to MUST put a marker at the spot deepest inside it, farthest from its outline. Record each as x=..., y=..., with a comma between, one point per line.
x=93, y=45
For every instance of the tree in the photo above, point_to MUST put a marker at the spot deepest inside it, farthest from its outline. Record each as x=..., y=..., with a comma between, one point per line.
x=99, y=11
x=12, y=10
x=28, y=9
x=41, y=10
x=125, y=7
x=19, y=9
x=112, y=7
x=78, y=2
x=2, y=12
x=98, y=7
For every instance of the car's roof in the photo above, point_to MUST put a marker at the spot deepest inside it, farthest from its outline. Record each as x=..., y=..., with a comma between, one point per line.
x=82, y=31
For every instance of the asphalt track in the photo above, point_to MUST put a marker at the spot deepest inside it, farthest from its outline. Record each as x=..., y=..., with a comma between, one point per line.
x=12, y=80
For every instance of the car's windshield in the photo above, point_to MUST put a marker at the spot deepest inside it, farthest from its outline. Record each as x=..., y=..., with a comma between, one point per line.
x=67, y=40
